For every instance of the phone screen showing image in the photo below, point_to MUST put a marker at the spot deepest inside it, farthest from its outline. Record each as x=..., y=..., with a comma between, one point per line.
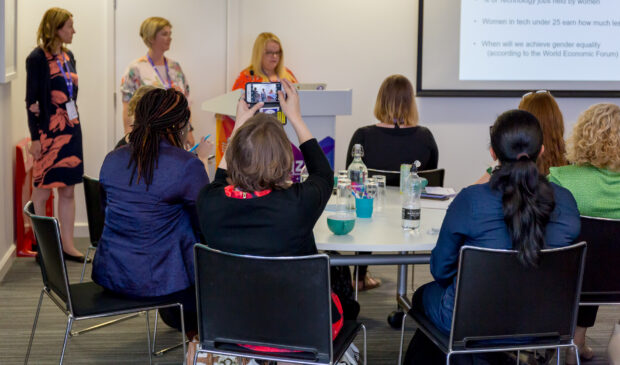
x=266, y=92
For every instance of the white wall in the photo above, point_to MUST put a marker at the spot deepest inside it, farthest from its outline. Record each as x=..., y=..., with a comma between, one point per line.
x=356, y=44
x=198, y=44
x=7, y=248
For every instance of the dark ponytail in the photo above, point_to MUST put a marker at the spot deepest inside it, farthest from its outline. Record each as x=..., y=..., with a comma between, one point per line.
x=159, y=114
x=527, y=196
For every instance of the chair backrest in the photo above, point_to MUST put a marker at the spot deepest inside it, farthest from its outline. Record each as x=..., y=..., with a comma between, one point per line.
x=602, y=271
x=282, y=302
x=53, y=268
x=498, y=298
x=94, y=210
x=434, y=177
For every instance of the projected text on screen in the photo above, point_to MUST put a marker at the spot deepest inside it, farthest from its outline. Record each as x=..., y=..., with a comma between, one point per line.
x=554, y=40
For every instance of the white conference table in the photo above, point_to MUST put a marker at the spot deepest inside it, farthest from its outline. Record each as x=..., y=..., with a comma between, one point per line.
x=382, y=234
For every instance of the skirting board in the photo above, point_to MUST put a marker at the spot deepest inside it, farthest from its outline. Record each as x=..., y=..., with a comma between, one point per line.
x=7, y=261
x=80, y=229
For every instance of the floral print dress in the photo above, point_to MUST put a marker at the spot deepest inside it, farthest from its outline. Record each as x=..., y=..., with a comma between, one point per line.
x=140, y=73
x=61, y=140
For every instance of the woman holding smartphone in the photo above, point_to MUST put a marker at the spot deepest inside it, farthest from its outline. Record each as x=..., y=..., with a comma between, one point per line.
x=54, y=123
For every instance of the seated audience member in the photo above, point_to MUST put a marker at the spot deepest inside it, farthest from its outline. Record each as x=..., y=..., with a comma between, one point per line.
x=395, y=140
x=150, y=188
x=131, y=109
x=594, y=181
x=517, y=209
x=252, y=207
x=544, y=107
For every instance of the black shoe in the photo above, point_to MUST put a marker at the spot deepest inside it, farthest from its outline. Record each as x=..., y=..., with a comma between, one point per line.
x=79, y=259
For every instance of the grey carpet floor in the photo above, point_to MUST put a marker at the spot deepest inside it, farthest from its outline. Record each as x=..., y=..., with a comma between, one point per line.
x=125, y=343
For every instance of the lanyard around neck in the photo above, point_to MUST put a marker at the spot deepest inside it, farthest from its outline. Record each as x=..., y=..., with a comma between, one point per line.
x=66, y=75
x=167, y=85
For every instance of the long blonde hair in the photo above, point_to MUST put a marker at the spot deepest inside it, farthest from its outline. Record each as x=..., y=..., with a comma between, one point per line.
x=53, y=19
x=259, y=50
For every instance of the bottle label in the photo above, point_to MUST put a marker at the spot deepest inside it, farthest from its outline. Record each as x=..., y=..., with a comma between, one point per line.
x=356, y=177
x=411, y=214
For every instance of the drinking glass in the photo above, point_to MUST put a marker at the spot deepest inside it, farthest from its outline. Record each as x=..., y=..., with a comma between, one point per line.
x=344, y=197
x=381, y=192
x=371, y=188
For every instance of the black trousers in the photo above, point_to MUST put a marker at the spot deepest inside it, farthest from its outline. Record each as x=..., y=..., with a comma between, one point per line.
x=586, y=316
x=171, y=315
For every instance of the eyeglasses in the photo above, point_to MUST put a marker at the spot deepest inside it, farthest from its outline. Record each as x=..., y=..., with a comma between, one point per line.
x=271, y=53
x=535, y=92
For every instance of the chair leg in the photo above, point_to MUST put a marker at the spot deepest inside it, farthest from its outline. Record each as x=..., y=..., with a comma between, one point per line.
x=448, y=358
x=183, y=333
x=64, y=344
x=155, y=330
x=402, y=339
x=577, y=353
x=518, y=356
x=356, y=280
x=85, y=262
x=34, y=327
x=557, y=354
x=148, y=337
x=104, y=324
x=365, y=357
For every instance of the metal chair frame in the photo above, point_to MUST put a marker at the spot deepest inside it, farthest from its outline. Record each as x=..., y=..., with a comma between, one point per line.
x=449, y=351
x=258, y=355
x=66, y=306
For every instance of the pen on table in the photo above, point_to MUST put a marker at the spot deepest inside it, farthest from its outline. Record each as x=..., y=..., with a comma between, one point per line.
x=196, y=145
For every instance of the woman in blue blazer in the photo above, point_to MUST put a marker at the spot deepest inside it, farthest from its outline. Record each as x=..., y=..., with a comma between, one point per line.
x=517, y=209
x=150, y=188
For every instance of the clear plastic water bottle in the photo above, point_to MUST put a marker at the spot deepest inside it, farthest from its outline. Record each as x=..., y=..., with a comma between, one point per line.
x=411, y=199
x=357, y=170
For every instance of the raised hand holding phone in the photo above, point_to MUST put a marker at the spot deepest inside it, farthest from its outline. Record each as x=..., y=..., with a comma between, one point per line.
x=290, y=107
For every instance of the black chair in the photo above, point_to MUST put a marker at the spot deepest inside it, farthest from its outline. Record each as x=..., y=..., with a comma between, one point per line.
x=282, y=302
x=83, y=300
x=434, y=177
x=498, y=298
x=600, y=278
x=94, y=213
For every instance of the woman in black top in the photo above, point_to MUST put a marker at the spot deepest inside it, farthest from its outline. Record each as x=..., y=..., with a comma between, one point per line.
x=395, y=140
x=53, y=120
x=252, y=207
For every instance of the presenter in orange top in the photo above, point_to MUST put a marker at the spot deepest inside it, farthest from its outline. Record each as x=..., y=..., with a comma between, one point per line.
x=267, y=63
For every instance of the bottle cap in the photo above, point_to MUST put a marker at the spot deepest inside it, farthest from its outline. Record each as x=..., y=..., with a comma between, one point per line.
x=357, y=150
x=415, y=165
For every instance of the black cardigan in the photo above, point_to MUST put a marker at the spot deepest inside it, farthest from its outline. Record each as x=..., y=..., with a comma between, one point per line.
x=38, y=89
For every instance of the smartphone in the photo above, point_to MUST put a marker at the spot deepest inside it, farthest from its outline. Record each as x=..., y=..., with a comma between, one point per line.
x=266, y=92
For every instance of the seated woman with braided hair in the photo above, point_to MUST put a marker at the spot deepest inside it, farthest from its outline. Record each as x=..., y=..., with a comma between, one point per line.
x=150, y=188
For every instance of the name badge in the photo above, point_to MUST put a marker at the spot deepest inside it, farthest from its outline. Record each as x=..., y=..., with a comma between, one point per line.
x=71, y=110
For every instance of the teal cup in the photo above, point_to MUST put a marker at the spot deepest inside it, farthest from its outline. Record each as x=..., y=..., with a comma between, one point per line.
x=363, y=207
x=341, y=223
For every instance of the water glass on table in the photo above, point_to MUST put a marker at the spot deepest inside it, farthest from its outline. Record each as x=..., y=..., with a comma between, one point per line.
x=344, y=197
x=381, y=192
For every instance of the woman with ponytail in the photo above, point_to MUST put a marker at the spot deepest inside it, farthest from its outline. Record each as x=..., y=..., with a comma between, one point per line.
x=517, y=209
x=150, y=188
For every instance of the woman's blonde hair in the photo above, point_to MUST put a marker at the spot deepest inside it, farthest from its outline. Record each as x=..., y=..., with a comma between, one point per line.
x=396, y=102
x=544, y=107
x=260, y=156
x=133, y=102
x=596, y=138
x=53, y=19
x=259, y=50
x=150, y=27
